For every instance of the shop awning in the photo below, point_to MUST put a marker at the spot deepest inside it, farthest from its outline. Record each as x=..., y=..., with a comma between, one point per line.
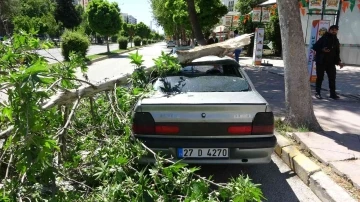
x=267, y=3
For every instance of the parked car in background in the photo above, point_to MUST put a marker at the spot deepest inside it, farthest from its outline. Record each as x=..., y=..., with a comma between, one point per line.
x=173, y=50
x=170, y=44
x=208, y=113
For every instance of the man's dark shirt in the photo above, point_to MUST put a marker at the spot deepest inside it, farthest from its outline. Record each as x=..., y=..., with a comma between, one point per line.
x=211, y=41
x=331, y=42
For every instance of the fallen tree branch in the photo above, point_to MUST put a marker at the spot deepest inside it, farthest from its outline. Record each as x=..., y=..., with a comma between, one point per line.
x=6, y=133
x=220, y=49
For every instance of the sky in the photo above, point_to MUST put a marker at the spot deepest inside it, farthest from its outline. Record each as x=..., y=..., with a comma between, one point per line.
x=140, y=9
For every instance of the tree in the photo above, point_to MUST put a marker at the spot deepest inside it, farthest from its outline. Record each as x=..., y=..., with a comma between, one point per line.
x=247, y=25
x=142, y=30
x=195, y=23
x=173, y=16
x=8, y=10
x=273, y=30
x=129, y=29
x=299, y=107
x=37, y=14
x=67, y=14
x=104, y=18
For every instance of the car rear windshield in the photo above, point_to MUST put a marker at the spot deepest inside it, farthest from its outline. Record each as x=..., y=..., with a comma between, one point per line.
x=204, y=78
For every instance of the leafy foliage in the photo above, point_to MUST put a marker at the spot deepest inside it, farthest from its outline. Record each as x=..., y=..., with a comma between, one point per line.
x=123, y=42
x=104, y=18
x=173, y=15
x=142, y=30
x=67, y=14
x=137, y=41
x=248, y=26
x=36, y=14
x=272, y=31
x=74, y=42
x=84, y=151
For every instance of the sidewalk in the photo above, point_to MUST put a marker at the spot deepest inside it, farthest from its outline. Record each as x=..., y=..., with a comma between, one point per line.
x=339, y=145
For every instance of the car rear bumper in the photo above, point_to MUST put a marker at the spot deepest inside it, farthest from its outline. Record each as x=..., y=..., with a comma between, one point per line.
x=241, y=150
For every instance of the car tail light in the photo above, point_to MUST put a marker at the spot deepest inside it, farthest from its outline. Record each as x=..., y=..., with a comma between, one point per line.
x=263, y=123
x=166, y=129
x=240, y=130
x=144, y=123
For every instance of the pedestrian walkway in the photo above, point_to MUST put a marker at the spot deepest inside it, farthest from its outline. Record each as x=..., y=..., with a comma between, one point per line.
x=339, y=145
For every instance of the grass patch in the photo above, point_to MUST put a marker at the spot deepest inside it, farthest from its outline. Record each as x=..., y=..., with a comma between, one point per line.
x=115, y=52
x=282, y=127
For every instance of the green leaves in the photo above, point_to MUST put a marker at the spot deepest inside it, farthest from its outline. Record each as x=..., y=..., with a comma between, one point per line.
x=136, y=59
x=104, y=17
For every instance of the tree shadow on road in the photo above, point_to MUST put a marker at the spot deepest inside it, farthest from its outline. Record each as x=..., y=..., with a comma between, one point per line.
x=274, y=183
x=340, y=114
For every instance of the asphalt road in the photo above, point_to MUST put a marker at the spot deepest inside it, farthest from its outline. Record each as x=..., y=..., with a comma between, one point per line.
x=119, y=65
x=54, y=55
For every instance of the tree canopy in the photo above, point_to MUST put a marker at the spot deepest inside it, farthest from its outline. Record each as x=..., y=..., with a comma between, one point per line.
x=142, y=30
x=67, y=14
x=38, y=14
x=173, y=15
x=104, y=17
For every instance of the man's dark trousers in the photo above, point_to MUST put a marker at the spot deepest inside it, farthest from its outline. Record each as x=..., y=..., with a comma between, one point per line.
x=330, y=70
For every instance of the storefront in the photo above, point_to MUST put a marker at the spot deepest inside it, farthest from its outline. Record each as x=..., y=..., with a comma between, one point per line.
x=347, y=16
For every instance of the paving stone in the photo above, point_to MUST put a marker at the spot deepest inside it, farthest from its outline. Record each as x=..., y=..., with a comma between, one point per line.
x=304, y=167
x=328, y=148
x=327, y=190
x=348, y=169
x=287, y=155
x=281, y=142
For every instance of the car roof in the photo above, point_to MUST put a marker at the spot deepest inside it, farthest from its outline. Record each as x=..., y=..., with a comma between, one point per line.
x=212, y=59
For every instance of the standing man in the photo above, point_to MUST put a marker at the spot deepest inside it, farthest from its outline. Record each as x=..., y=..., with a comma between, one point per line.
x=213, y=39
x=327, y=56
x=238, y=50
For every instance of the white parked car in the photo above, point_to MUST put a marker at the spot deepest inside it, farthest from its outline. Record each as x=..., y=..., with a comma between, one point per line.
x=170, y=44
x=207, y=113
x=173, y=50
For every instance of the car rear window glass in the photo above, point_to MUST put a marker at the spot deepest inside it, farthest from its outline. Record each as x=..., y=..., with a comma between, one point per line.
x=204, y=78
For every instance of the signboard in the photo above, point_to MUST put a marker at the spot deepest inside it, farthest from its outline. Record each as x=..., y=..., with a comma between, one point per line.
x=258, y=46
x=315, y=4
x=235, y=20
x=332, y=5
x=265, y=15
x=256, y=15
x=228, y=19
x=319, y=28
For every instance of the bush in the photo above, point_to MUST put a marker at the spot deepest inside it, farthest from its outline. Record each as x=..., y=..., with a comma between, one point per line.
x=137, y=41
x=74, y=42
x=123, y=42
x=114, y=38
x=144, y=41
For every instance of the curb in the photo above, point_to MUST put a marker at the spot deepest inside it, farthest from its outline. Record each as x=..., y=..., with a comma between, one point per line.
x=310, y=173
x=114, y=55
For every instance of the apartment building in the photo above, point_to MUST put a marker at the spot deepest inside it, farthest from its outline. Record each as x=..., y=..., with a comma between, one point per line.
x=129, y=18
x=230, y=4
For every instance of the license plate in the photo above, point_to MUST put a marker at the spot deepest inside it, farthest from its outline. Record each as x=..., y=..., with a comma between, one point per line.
x=203, y=152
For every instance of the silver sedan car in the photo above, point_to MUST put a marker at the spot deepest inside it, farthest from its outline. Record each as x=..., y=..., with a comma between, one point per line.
x=208, y=113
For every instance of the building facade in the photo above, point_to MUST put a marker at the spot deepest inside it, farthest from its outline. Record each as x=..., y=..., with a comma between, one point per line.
x=230, y=4
x=128, y=18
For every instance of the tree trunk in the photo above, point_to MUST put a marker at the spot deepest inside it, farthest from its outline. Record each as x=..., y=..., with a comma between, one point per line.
x=299, y=106
x=194, y=22
x=107, y=44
